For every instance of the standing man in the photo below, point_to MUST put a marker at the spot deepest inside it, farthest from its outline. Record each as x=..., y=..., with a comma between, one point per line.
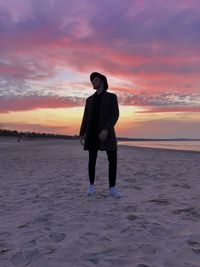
x=97, y=130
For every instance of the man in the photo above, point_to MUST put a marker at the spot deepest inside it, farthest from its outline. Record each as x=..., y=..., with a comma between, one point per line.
x=97, y=130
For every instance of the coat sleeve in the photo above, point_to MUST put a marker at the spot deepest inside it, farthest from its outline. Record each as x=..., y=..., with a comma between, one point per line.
x=114, y=114
x=84, y=121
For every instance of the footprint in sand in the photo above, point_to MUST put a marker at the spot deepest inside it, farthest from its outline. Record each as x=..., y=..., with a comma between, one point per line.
x=107, y=253
x=19, y=259
x=29, y=244
x=142, y=265
x=157, y=230
x=187, y=186
x=44, y=218
x=23, y=225
x=136, y=187
x=47, y=249
x=159, y=201
x=103, y=239
x=57, y=237
x=130, y=208
x=4, y=235
x=89, y=236
x=190, y=212
x=195, y=246
x=5, y=248
x=147, y=249
x=23, y=258
x=131, y=217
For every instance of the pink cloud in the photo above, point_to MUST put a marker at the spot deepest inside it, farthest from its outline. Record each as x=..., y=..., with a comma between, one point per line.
x=31, y=103
x=170, y=109
x=155, y=46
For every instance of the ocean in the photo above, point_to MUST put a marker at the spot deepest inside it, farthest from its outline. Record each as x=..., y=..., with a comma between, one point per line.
x=175, y=145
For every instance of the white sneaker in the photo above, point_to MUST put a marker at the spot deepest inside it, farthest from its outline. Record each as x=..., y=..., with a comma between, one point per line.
x=114, y=192
x=90, y=190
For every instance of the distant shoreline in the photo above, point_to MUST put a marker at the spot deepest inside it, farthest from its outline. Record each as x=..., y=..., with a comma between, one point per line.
x=160, y=149
x=180, y=145
x=34, y=135
x=120, y=139
x=11, y=139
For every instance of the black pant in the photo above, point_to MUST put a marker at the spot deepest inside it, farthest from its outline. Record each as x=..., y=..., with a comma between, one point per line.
x=112, y=159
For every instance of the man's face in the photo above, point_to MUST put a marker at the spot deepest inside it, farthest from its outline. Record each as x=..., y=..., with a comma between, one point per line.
x=96, y=82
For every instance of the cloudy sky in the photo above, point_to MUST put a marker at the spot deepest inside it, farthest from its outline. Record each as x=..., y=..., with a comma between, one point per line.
x=148, y=49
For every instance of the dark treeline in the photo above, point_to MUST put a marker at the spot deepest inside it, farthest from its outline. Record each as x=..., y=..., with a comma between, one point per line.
x=27, y=135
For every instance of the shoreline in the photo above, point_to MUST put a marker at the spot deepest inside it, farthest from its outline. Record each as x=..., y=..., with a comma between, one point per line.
x=13, y=140
x=159, y=148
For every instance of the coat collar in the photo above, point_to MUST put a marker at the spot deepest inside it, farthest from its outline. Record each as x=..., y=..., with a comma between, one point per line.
x=104, y=93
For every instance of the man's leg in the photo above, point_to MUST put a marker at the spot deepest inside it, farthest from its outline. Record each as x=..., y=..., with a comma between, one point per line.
x=92, y=165
x=112, y=159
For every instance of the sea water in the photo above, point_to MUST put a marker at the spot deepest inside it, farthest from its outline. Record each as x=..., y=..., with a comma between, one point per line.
x=177, y=145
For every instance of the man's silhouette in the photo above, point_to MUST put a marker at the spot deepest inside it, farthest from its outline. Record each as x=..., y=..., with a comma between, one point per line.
x=97, y=130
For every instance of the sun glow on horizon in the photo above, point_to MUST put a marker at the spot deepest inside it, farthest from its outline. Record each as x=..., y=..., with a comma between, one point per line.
x=131, y=122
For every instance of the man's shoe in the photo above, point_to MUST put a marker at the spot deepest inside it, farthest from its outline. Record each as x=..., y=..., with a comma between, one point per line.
x=114, y=192
x=90, y=190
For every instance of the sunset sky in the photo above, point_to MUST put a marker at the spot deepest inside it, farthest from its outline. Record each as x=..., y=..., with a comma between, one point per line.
x=148, y=49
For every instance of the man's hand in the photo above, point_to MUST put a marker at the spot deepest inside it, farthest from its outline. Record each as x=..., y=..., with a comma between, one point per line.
x=82, y=139
x=103, y=135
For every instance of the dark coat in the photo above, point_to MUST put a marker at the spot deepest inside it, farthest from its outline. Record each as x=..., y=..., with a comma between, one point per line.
x=108, y=116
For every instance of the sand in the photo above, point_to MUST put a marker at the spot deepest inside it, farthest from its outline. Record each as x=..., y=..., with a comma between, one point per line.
x=47, y=220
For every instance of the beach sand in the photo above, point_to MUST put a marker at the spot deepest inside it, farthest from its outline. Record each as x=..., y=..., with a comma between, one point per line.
x=47, y=220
